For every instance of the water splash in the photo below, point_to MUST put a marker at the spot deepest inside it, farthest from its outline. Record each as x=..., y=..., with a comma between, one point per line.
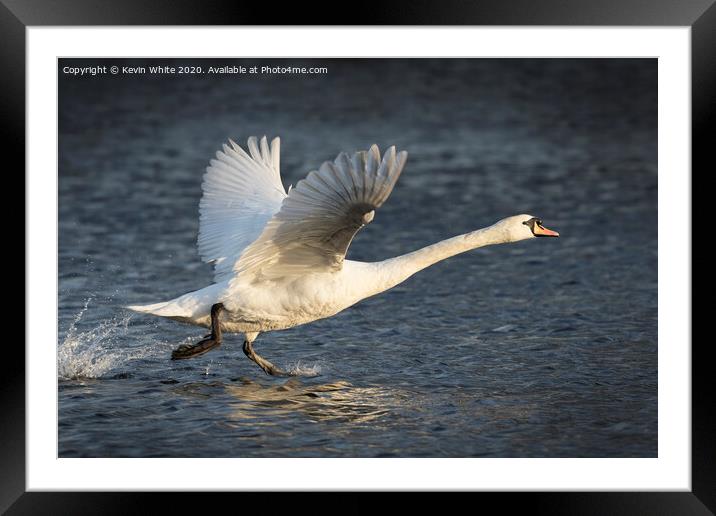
x=299, y=369
x=96, y=352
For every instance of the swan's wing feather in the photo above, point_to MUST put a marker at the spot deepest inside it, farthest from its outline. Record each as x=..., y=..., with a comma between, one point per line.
x=241, y=192
x=321, y=215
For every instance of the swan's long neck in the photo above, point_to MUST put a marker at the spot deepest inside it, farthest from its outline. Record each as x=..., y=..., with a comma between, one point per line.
x=390, y=273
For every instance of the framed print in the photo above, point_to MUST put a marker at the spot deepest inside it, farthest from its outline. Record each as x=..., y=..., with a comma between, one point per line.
x=322, y=336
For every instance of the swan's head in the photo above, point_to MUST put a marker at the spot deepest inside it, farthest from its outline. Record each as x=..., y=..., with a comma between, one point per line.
x=522, y=227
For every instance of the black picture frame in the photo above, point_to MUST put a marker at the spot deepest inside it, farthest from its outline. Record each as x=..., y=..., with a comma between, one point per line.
x=700, y=15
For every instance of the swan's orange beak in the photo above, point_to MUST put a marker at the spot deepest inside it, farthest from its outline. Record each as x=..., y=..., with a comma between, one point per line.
x=542, y=231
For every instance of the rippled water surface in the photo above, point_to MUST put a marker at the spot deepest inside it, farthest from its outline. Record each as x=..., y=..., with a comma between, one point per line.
x=543, y=348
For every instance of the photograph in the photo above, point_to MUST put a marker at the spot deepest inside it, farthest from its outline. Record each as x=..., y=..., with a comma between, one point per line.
x=357, y=257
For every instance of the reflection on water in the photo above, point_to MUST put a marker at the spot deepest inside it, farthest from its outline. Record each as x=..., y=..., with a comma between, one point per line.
x=339, y=401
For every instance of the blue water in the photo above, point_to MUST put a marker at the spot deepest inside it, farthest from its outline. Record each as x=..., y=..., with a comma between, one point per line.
x=543, y=348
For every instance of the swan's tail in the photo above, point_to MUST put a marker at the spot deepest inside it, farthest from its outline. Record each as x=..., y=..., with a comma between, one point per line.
x=163, y=309
x=193, y=307
x=175, y=310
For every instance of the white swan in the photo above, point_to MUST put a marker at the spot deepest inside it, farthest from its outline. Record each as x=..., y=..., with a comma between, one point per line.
x=279, y=258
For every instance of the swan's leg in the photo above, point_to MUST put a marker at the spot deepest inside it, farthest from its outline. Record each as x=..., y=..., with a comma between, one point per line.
x=209, y=342
x=264, y=364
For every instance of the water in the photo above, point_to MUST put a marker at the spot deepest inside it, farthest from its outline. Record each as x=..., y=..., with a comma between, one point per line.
x=543, y=348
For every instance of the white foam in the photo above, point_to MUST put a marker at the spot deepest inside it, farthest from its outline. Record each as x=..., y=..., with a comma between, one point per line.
x=96, y=352
x=299, y=369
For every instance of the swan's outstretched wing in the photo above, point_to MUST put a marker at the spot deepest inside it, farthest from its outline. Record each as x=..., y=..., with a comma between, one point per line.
x=241, y=193
x=321, y=215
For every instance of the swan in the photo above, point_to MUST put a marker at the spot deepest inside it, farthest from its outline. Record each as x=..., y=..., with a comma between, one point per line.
x=279, y=256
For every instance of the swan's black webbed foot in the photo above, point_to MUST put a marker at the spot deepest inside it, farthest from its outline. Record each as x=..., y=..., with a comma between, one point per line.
x=264, y=364
x=195, y=350
x=211, y=341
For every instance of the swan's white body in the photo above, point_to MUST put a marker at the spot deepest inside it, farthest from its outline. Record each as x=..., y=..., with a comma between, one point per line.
x=280, y=257
x=290, y=301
